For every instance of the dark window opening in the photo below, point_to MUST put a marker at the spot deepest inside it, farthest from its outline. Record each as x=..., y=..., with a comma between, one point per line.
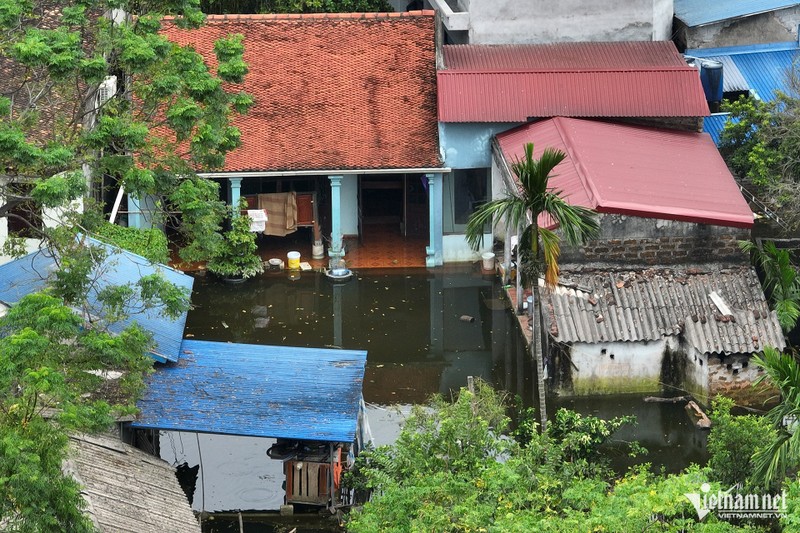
x=24, y=219
x=470, y=191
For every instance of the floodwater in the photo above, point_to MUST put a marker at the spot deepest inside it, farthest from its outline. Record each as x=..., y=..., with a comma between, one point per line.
x=425, y=331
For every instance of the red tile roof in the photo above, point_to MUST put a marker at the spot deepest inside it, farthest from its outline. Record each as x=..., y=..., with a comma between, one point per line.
x=332, y=91
x=635, y=170
x=512, y=83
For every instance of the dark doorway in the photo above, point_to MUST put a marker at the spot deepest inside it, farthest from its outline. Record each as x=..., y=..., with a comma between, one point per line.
x=397, y=202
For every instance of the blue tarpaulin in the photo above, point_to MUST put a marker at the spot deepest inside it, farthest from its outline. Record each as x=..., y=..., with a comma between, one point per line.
x=260, y=391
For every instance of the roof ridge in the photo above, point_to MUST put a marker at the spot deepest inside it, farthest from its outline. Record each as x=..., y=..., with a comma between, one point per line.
x=244, y=17
x=583, y=173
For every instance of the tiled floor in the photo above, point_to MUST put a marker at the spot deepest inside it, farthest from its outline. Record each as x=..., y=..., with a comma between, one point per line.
x=382, y=246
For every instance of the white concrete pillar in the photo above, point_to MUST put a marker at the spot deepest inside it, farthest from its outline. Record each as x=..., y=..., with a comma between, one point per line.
x=336, y=249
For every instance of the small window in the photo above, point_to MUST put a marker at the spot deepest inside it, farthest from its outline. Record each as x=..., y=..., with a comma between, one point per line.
x=465, y=191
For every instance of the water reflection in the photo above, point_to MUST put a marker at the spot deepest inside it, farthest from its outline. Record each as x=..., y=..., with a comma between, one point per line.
x=425, y=332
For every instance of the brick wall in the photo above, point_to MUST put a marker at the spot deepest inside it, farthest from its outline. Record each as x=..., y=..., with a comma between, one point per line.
x=635, y=240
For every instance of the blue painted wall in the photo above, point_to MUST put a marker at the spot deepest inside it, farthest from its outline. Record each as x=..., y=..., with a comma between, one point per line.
x=469, y=144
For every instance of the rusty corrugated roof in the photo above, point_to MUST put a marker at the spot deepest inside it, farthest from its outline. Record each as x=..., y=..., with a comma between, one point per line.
x=513, y=83
x=332, y=91
x=650, y=304
x=635, y=170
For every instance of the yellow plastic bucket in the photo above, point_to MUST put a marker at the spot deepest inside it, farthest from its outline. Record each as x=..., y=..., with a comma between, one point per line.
x=293, y=260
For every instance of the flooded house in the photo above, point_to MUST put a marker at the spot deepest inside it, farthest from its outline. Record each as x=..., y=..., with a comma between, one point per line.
x=305, y=404
x=663, y=298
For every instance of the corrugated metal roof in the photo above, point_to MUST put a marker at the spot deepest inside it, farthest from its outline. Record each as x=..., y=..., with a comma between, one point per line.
x=483, y=83
x=713, y=125
x=759, y=68
x=566, y=57
x=636, y=170
x=732, y=79
x=701, y=12
x=127, y=489
x=259, y=391
x=30, y=274
x=643, y=305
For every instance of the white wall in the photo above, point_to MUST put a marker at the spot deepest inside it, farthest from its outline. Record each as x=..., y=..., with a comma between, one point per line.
x=456, y=249
x=634, y=367
x=543, y=21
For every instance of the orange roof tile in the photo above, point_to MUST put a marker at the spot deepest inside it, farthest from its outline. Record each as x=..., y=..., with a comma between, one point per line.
x=331, y=91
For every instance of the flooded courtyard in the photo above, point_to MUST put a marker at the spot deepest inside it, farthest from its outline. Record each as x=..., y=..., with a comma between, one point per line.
x=425, y=331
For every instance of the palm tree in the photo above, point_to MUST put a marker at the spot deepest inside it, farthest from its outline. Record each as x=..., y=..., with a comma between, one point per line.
x=522, y=209
x=782, y=451
x=781, y=280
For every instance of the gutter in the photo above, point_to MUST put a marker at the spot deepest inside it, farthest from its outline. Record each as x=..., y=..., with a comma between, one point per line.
x=335, y=172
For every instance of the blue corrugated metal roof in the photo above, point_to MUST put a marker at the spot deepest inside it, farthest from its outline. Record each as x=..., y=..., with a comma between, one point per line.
x=713, y=125
x=701, y=12
x=29, y=274
x=258, y=391
x=764, y=68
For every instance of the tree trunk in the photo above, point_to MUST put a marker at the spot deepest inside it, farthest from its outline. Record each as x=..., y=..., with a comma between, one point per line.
x=537, y=350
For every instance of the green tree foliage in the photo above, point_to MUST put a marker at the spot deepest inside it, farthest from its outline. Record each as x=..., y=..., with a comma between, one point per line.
x=761, y=142
x=780, y=453
x=168, y=117
x=149, y=243
x=62, y=141
x=237, y=257
x=733, y=442
x=781, y=280
x=56, y=376
x=295, y=6
x=455, y=468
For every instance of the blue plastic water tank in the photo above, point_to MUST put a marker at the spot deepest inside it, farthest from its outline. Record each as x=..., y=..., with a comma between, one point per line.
x=711, y=78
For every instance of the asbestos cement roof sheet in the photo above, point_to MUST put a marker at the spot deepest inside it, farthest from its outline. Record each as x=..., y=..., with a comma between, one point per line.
x=258, y=391
x=513, y=83
x=702, y=12
x=592, y=306
x=332, y=91
x=127, y=489
x=635, y=170
x=31, y=273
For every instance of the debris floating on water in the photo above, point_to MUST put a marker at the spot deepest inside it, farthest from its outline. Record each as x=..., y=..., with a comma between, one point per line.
x=467, y=318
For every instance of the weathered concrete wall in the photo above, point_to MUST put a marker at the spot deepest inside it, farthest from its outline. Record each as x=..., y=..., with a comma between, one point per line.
x=614, y=367
x=649, y=241
x=776, y=26
x=540, y=21
x=469, y=144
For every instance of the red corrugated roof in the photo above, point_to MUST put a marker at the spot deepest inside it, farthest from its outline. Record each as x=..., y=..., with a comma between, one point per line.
x=512, y=83
x=635, y=170
x=332, y=91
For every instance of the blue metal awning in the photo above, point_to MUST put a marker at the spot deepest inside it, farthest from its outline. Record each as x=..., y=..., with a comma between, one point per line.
x=30, y=274
x=258, y=391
